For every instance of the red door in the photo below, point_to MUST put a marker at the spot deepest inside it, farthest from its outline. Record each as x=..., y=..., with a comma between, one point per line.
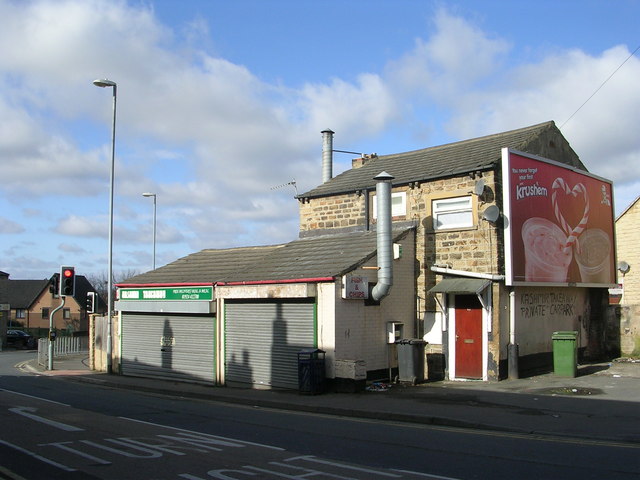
x=468, y=337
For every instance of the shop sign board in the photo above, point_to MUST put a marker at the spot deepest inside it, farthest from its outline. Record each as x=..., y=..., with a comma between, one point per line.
x=183, y=293
x=355, y=287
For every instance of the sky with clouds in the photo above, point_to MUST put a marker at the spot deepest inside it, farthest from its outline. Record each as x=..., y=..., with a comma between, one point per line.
x=221, y=103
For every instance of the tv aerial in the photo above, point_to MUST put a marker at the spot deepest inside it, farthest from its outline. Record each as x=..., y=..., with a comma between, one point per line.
x=292, y=183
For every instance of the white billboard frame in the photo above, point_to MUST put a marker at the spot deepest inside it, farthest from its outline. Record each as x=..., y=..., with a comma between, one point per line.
x=533, y=190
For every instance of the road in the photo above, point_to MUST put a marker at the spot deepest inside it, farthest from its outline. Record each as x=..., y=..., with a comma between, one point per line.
x=56, y=428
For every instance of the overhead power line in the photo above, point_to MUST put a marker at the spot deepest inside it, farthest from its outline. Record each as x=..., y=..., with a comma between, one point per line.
x=601, y=85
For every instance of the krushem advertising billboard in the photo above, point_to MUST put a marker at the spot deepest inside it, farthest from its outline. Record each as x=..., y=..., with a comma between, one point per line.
x=560, y=225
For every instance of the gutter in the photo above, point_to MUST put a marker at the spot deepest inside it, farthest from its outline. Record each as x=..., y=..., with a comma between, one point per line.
x=346, y=191
x=267, y=282
x=462, y=273
x=156, y=285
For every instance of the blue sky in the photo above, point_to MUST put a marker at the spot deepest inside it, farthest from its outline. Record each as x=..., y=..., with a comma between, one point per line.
x=219, y=102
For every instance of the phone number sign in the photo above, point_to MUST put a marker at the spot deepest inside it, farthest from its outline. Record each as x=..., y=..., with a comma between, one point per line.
x=164, y=294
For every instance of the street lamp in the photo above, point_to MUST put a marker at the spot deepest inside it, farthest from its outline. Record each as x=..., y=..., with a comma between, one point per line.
x=108, y=83
x=149, y=194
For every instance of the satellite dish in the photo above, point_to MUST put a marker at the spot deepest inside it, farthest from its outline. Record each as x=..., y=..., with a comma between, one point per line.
x=479, y=188
x=491, y=214
x=624, y=267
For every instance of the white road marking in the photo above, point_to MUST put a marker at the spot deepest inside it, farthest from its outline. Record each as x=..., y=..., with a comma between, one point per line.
x=39, y=457
x=311, y=458
x=26, y=412
x=232, y=440
x=425, y=475
x=36, y=398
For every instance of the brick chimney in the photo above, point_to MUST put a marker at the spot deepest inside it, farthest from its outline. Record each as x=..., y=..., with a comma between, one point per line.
x=360, y=162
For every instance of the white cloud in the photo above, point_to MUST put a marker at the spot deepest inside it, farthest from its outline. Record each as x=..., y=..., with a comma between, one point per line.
x=554, y=89
x=77, y=226
x=455, y=58
x=358, y=109
x=71, y=248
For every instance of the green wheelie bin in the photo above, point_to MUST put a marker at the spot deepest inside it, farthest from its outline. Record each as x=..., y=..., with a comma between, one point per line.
x=565, y=353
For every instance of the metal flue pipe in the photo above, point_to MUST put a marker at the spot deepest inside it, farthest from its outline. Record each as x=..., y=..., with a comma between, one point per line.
x=327, y=155
x=384, y=237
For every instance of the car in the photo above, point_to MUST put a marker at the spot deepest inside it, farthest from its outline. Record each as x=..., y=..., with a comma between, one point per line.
x=19, y=338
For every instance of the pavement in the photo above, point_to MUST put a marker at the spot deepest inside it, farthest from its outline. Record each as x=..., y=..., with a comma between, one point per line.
x=601, y=404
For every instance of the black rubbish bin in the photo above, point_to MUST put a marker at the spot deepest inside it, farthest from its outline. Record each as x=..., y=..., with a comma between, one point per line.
x=311, y=376
x=411, y=360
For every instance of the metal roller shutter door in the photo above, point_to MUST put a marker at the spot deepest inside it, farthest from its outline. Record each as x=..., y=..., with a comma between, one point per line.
x=187, y=354
x=262, y=341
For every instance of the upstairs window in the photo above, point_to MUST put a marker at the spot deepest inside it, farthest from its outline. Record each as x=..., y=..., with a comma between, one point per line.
x=45, y=313
x=398, y=205
x=452, y=213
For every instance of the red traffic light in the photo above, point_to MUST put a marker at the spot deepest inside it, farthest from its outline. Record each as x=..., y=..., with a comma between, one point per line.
x=67, y=281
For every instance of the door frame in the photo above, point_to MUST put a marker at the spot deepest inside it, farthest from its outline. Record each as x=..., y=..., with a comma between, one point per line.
x=451, y=337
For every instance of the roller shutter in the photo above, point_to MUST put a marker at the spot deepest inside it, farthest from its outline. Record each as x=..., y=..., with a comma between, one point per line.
x=262, y=341
x=170, y=346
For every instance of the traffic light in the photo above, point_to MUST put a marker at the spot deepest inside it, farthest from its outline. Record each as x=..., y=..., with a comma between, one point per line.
x=91, y=302
x=67, y=281
x=54, y=288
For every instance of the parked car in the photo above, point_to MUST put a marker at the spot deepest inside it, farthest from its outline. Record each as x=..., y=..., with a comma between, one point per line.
x=19, y=338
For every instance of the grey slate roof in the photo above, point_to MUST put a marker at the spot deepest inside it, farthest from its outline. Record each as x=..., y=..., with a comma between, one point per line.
x=21, y=293
x=481, y=153
x=308, y=258
x=206, y=266
x=315, y=257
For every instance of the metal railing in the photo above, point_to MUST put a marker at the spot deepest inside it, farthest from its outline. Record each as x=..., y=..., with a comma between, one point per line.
x=61, y=346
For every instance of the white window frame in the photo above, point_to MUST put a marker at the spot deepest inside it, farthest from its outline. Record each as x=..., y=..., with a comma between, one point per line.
x=452, y=205
x=398, y=207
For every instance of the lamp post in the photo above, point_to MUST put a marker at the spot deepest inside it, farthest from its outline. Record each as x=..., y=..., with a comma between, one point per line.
x=149, y=194
x=103, y=83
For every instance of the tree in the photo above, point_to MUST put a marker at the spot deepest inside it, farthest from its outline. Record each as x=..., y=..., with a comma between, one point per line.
x=100, y=281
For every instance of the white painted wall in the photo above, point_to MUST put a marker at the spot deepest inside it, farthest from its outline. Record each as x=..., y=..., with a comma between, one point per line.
x=361, y=331
x=326, y=320
x=542, y=311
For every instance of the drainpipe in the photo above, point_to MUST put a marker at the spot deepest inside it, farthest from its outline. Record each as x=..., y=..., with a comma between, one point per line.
x=367, y=222
x=384, y=238
x=327, y=155
x=512, y=349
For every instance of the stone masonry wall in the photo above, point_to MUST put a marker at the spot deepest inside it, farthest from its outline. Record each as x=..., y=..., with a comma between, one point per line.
x=341, y=211
x=474, y=249
x=628, y=250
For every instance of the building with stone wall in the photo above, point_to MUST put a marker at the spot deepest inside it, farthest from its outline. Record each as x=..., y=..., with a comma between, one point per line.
x=452, y=196
x=627, y=225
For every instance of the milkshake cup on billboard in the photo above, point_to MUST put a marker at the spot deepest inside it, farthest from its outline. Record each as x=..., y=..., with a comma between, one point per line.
x=547, y=258
x=593, y=256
